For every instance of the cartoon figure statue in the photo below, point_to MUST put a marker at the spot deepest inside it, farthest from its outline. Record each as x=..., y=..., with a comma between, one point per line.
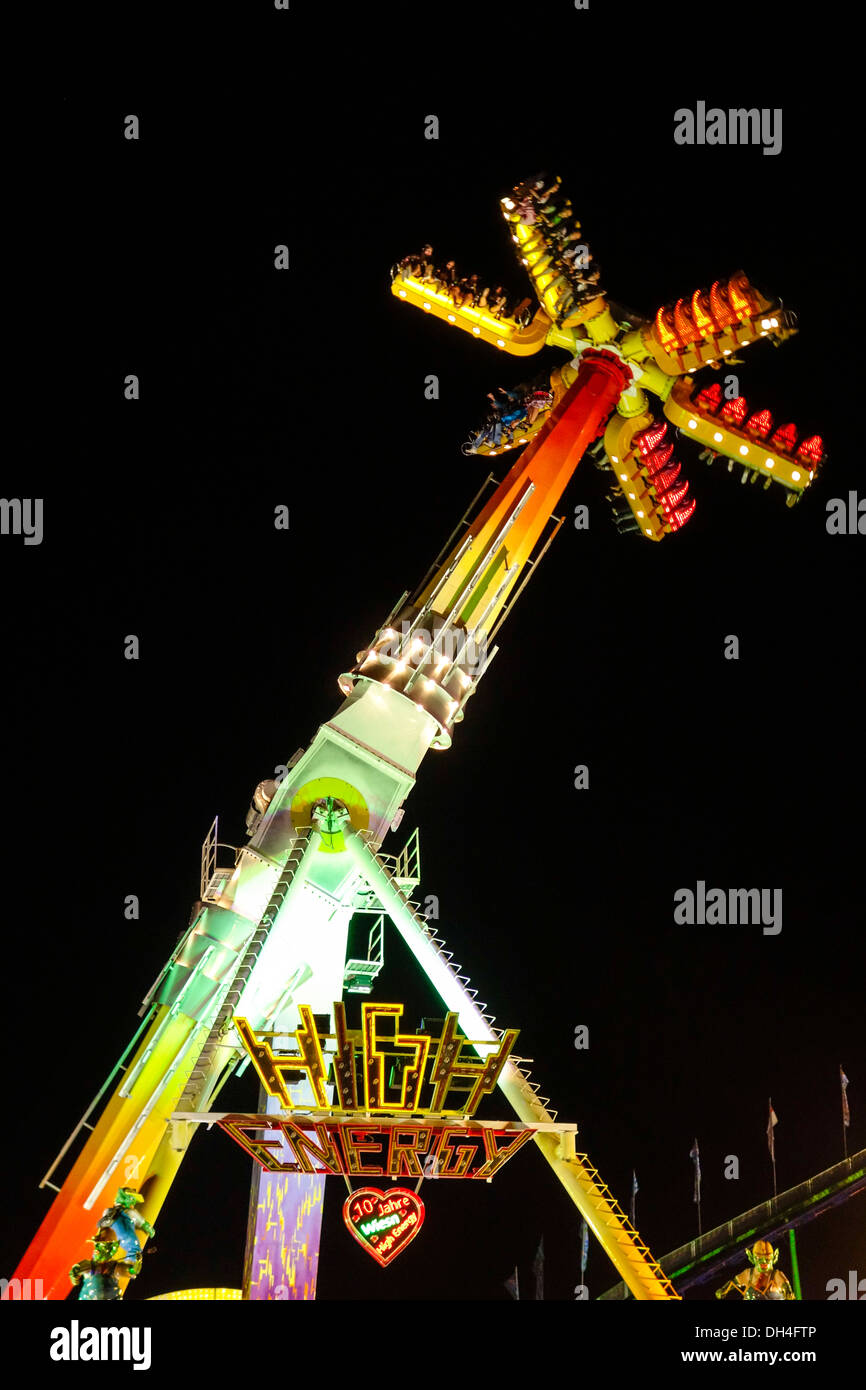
x=127, y=1222
x=99, y=1277
x=763, y=1280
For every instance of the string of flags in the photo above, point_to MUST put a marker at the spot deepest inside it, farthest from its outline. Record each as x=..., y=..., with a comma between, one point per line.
x=512, y=1284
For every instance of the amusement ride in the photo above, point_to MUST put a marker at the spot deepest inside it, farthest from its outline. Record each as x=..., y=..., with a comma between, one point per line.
x=261, y=976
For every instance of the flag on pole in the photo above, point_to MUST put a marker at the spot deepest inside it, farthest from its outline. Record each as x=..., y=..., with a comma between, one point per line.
x=538, y=1269
x=846, y=1113
x=634, y=1192
x=512, y=1285
x=771, y=1138
x=695, y=1155
x=584, y=1249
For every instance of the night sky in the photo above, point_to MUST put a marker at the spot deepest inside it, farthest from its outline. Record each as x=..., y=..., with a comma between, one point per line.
x=306, y=388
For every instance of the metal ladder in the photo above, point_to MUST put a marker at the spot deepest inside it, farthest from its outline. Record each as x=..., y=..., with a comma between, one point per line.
x=84, y=1122
x=618, y=1237
x=621, y=1232
x=358, y=975
x=225, y=1013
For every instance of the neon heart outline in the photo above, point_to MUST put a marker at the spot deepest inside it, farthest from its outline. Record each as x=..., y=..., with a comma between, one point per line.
x=380, y=1197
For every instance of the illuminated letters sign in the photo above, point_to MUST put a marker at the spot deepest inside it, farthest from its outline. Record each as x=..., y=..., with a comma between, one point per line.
x=376, y=1148
x=384, y=1223
x=377, y=1069
x=403, y=1102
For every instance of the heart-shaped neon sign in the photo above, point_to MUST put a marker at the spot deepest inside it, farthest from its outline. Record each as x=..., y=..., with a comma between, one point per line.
x=384, y=1222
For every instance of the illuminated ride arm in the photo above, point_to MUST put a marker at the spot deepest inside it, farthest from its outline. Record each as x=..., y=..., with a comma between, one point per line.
x=271, y=931
x=282, y=914
x=661, y=355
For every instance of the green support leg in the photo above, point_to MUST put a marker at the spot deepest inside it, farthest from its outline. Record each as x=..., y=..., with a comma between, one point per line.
x=795, y=1268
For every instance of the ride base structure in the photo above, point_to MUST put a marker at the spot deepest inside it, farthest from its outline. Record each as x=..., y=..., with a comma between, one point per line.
x=265, y=955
